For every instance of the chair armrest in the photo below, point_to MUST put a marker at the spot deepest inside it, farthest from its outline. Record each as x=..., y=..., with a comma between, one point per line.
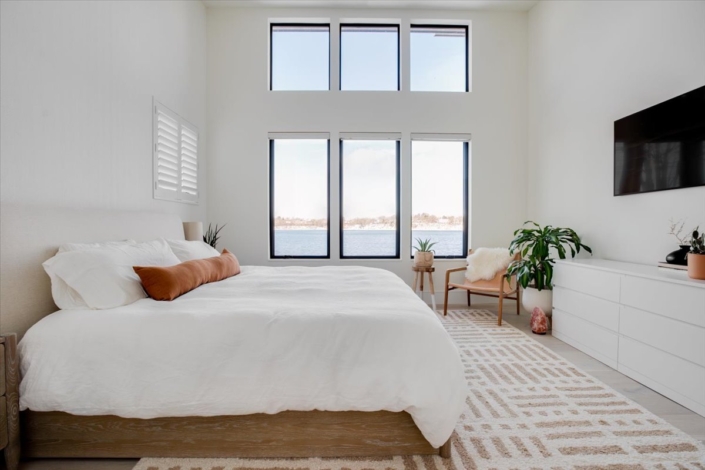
x=454, y=270
x=500, y=278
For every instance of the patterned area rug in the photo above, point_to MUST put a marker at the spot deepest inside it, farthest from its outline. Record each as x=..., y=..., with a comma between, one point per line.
x=528, y=409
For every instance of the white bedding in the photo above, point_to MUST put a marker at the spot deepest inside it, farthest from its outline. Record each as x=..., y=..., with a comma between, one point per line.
x=268, y=340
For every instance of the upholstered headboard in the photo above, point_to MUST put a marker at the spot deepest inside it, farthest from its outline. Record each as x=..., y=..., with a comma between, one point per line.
x=29, y=235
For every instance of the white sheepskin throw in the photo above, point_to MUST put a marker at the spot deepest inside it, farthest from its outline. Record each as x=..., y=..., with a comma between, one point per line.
x=484, y=263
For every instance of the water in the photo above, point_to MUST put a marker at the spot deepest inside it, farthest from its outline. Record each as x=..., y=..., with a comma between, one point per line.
x=363, y=242
x=450, y=242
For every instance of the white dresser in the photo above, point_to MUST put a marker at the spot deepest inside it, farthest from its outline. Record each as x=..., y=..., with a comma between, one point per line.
x=644, y=321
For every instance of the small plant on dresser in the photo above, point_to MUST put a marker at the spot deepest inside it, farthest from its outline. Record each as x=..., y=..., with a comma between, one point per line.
x=680, y=256
x=696, y=257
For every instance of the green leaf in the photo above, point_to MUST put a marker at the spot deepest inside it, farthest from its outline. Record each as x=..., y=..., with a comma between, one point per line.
x=535, y=244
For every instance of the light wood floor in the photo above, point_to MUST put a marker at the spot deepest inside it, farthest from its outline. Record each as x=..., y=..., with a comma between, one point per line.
x=679, y=416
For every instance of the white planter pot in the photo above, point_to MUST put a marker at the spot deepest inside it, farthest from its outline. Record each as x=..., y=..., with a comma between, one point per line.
x=531, y=298
x=423, y=259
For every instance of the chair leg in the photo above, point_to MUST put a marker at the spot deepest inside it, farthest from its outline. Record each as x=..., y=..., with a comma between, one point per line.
x=469, y=302
x=445, y=302
x=518, y=299
x=499, y=314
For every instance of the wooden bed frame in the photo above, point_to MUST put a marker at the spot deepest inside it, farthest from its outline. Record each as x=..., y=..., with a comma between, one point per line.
x=30, y=235
x=286, y=434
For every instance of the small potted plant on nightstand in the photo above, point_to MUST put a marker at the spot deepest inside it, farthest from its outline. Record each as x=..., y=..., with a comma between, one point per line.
x=696, y=257
x=212, y=235
x=423, y=258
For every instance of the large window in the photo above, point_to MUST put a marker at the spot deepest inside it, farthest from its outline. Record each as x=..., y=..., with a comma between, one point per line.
x=439, y=58
x=299, y=195
x=369, y=198
x=439, y=195
x=300, y=57
x=369, y=57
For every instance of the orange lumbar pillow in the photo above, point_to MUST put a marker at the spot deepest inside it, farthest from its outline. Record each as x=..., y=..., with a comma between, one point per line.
x=167, y=283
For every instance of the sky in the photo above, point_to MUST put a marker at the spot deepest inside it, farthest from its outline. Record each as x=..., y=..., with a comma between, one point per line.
x=300, y=61
x=369, y=178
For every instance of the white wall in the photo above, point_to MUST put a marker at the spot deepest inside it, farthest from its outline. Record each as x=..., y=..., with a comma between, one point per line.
x=76, y=87
x=241, y=111
x=591, y=63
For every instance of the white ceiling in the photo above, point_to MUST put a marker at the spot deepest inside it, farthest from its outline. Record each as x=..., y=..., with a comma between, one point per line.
x=515, y=5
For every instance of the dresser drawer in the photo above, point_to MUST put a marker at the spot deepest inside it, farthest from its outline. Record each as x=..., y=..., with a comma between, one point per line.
x=674, y=337
x=597, y=283
x=587, y=307
x=676, y=301
x=594, y=340
x=667, y=372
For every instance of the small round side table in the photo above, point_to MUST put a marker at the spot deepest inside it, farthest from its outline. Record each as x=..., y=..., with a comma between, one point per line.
x=425, y=270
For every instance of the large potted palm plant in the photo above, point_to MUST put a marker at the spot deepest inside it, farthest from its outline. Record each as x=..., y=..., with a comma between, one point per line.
x=534, y=271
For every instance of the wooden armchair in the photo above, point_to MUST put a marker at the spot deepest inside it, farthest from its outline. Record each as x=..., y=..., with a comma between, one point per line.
x=498, y=287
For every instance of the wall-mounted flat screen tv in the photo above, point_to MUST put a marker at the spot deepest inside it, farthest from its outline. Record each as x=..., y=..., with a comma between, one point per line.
x=661, y=147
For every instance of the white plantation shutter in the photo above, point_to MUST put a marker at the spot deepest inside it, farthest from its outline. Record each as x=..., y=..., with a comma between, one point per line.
x=175, y=157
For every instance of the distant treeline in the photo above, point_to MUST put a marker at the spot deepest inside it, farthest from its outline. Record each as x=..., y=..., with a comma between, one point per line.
x=362, y=222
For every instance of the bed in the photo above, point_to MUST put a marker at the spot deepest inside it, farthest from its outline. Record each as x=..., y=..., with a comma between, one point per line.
x=274, y=362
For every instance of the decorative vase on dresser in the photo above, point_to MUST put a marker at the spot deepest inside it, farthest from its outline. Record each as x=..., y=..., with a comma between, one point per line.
x=696, y=256
x=646, y=322
x=679, y=256
x=696, y=266
x=9, y=401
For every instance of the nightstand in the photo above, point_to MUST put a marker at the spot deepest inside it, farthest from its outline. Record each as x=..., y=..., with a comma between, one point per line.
x=9, y=401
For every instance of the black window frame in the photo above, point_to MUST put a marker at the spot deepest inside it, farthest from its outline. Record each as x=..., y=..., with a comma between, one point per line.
x=271, y=55
x=271, y=205
x=466, y=198
x=371, y=26
x=398, y=194
x=467, y=53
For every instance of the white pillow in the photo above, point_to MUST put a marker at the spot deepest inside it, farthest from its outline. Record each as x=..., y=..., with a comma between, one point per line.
x=65, y=297
x=104, y=277
x=188, y=250
x=87, y=246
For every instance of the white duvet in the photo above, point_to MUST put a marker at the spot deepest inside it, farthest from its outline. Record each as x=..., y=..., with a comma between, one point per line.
x=268, y=340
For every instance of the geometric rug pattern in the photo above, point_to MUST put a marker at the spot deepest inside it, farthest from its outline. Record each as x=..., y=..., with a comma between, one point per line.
x=527, y=409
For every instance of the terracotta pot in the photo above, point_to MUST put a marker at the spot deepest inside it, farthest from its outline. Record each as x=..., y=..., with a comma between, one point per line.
x=423, y=259
x=532, y=298
x=696, y=266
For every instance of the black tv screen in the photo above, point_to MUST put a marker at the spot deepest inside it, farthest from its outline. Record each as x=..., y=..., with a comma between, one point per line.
x=661, y=147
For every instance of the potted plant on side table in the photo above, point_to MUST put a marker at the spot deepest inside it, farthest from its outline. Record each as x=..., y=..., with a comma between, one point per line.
x=696, y=257
x=423, y=258
x=534, y=271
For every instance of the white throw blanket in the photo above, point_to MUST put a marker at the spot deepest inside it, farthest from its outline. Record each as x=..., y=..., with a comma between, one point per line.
x=268, y=340
x=484, y=263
